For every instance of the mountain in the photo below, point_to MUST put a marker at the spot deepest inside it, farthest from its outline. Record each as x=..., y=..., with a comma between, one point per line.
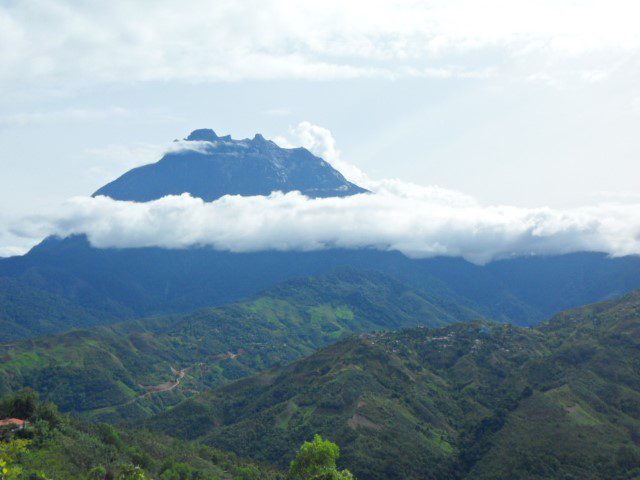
x=87, y=286
x=112, y=285
x=466, y=401
x=214, y=166
x=134, y=369
x=27, y=311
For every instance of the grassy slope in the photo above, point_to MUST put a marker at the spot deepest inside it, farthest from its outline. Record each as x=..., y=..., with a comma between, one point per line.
x=104, y=371
x=474, y=401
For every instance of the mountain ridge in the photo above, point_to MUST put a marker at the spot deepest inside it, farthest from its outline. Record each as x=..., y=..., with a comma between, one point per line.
x=465, y=401
x=121, y=284
x=101, y=371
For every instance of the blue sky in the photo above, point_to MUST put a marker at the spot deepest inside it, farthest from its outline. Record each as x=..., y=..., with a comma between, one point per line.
x=528, y=104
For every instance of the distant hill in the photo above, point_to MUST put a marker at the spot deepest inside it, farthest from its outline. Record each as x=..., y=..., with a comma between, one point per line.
x=111, y=285
x=27, y=311
x=466, y=401
x=217, y=166
x=132, y=370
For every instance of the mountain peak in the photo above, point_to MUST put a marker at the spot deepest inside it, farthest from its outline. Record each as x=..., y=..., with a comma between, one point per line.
x=203, y=134
x=230, y=167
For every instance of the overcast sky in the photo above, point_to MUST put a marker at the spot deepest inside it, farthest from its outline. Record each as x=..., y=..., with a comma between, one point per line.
x=528, y=104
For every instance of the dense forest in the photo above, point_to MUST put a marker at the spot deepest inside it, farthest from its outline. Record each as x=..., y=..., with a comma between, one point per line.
x=232, y=392
x=57, y=446
x=53, y=445
x=128, y=370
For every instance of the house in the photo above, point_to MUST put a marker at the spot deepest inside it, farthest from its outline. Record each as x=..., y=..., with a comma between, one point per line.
x=14, y=424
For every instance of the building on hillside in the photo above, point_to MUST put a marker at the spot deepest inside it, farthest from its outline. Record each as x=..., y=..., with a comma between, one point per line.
x=13, y=424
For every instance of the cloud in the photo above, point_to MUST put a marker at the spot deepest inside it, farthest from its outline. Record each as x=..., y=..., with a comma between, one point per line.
x=114, y=159
x=125, y=157
x=419, y=222
x=62, y=42
x=110, y=161
x=621, y=196
x=10, y=244
x=320, y=141
x=11, y=251
x=27, y=119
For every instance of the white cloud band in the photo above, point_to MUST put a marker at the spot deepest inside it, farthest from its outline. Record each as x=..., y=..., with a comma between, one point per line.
x=417, y=221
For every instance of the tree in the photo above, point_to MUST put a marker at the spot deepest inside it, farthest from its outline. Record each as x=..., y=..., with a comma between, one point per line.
x=178, y=471
x=9, y=455
x=131, y=472
x=316, y=460
x=109, y=435
x=97, y=473
x=20, y=405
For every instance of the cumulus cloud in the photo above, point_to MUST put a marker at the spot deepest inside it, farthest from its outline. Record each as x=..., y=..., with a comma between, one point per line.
x=320, y=142
x=65, y=42
x=422, y=222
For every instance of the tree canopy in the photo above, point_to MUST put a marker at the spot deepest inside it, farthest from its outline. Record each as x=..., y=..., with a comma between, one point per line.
x=316, y=460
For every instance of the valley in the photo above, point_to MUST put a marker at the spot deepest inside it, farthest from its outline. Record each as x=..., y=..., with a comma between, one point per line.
x=197, y=362
x=100, y=372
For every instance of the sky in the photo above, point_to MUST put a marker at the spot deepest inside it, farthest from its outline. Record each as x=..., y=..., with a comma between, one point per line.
x=525, y=105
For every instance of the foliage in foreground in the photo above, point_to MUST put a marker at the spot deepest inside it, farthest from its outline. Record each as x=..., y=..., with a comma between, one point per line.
x=56, y=447
x=66, y=449
x=316, y=460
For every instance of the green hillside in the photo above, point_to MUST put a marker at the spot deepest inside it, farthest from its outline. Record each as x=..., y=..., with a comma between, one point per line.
x=138, y=368
x=466, y=401
x=28, y=311
x=58, y=447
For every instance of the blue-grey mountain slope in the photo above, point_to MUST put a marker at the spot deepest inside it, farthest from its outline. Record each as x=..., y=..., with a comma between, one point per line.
x=215, y=166
x=90, y=286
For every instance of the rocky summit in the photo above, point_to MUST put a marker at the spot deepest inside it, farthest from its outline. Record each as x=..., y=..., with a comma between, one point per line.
x=209, y=166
